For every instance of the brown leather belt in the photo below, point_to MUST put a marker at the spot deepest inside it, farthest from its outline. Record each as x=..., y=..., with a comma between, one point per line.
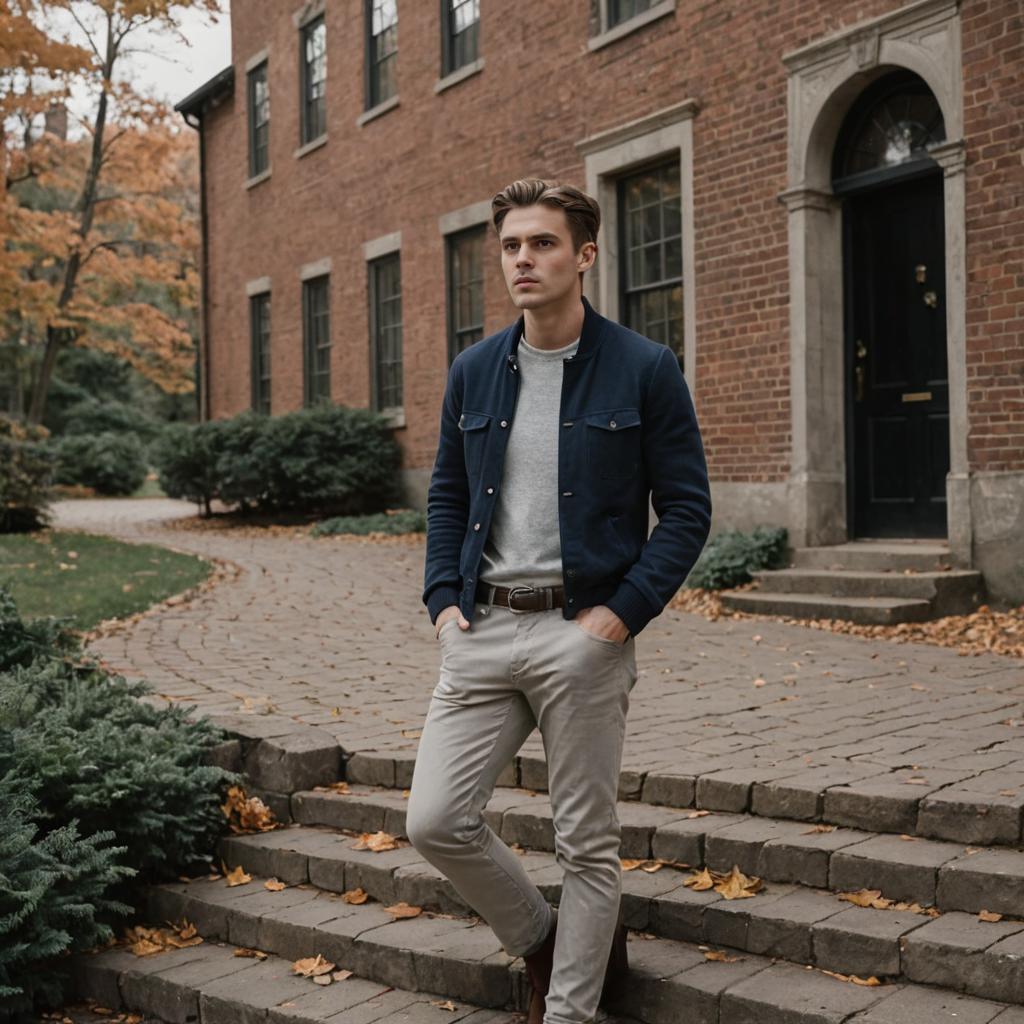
x=521, y=599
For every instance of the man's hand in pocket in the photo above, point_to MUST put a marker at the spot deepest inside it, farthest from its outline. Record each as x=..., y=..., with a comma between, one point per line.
x=451, y=612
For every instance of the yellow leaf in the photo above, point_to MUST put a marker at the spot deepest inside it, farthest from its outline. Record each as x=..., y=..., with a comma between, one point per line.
x=853, y=979
x=861, y=898
x=990, y=916
x=445, y=1004
x=378, y=842
x=355, y=896
x=402, y=909
x=698, y=814
x=252, y=954
x=650, y=866
x=313, y=966
x=738, y=886
x=819, y=828
x=237, y=876
x=700, y=880
x=719, y=956
x=341, y=975
x=630, y=865
x=273, y=885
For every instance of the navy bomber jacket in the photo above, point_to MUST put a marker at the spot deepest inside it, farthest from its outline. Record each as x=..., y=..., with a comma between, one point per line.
x=628, y=434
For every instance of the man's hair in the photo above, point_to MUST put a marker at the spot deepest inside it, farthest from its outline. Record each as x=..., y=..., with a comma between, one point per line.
x=581, y=211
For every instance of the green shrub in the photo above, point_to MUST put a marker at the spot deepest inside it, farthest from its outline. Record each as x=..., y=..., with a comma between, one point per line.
x=53, y=899
x=86, y=762
x=92, y=417
x=403, y=520
x=113, y=464
x=185, y=460
x=728, y=558
x=26, y=472
x=324, y=459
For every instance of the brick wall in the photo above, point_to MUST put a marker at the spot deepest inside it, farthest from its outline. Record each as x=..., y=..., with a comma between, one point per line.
x=541, y=91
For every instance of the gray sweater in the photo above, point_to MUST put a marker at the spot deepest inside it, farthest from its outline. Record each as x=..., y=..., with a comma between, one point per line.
x=523, y=546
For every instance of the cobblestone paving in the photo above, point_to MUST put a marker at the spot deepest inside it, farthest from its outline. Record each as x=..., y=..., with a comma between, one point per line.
x=332, y=633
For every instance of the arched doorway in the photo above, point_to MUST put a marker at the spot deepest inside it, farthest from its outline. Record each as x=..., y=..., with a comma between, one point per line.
x=894, y=310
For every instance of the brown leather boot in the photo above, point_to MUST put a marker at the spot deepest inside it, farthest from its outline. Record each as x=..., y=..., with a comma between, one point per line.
x=538, y=970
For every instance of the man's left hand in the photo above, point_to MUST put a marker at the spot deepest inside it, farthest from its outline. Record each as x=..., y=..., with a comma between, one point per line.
x=602, y=621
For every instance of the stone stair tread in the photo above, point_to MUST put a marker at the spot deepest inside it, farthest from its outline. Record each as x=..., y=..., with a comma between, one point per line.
x=461, y=959
x=792, y=921
x=764, y=597
x=949, y=874
x=881, y=575
x=208, y=982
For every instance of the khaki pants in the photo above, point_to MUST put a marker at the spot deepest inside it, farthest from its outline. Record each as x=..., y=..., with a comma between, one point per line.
x=509, y=673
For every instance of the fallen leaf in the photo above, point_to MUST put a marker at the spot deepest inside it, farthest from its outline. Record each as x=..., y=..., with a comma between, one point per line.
x=853, y=979
x=738, y=886
x=341, y=975
x=720, y=957
x=247, y=813
x=698, y=814
x=916, y=780
x=274, y=885
x=143, y=941
x=819, y=828
x=700, y=880
x=630, y=865
x=446, y=1004
x=990, y=916
x=866, y=898
x=412, y=734
x=378, y=842
x=402, y=909
x=313, y=966
x=355, y=896
x=650, y=866
x=236, y=876
x=909, y=839
x=251, y=954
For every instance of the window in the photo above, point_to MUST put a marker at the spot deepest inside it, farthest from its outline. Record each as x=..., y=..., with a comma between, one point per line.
x=461, y=26
x=314, y=79
x=316, y=334
x=259, y=327
x=386, y=332
x=465, y=289
x=622, y=10
x=259, y=120
x=381, y=51
x=651, y=260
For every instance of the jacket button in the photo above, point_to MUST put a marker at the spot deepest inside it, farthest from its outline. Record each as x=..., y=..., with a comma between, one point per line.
x=490, y=490
x=504, y=423
x=572, y=600
x=476, y=526
x=566, y=494
x=571, y=573
x=568, y=423
x=613, y=424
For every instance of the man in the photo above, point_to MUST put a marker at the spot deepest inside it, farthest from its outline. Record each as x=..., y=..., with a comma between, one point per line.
x=555, y=434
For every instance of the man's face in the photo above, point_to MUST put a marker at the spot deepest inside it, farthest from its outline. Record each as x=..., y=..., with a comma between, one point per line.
x=540, y=262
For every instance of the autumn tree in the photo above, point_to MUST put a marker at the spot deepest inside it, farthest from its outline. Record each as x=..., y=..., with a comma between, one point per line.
x=102, y=229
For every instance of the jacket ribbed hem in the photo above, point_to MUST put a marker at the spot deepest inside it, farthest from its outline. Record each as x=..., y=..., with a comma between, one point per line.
x=441, y=598
x=632, y=607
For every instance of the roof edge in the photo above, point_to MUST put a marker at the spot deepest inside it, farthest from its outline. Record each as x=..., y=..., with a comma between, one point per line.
x=222, y=84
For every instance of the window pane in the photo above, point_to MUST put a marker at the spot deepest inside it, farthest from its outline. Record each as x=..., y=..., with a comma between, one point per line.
x=314, y=75
x=317, y=338
x=622, y=10
x=382, y=50
x=259, y=119
x=463, y=33
x=386, y=336
x=465, y=289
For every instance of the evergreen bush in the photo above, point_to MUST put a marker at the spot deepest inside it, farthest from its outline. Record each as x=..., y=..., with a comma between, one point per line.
x=26, y=472
x=729, y=557
x=112, y=464
x=92, y=417
x=86, y=762
x=403, y=520
x=324, y=459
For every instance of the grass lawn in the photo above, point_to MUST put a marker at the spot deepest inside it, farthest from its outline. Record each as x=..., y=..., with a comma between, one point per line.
x=91, y=578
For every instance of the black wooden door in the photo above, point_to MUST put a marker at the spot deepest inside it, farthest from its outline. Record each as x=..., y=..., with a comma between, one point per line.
x=897, y=387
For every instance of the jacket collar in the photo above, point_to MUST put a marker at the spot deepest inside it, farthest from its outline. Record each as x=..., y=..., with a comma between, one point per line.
x=591, y=334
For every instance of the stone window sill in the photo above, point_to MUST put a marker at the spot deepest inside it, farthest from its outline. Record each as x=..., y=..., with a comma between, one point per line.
x=313, y=144
x=374, y=112
x=467, y=71
x=395, y=417
x=257, y=179
x=613, y=35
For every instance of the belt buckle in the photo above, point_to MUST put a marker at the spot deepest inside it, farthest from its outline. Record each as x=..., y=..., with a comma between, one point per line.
x=511, y=595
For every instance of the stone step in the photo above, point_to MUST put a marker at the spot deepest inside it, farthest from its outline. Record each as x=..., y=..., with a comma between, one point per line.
x=956, y=591
x=981, y=804
x=460, y=959
x=795, y=922
x=922, y=555
x=865, y=611
x=210, y=985
x=948, y=875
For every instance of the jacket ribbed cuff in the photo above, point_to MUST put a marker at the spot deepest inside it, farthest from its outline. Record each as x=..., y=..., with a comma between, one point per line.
x=441, y=598
x=631, y=606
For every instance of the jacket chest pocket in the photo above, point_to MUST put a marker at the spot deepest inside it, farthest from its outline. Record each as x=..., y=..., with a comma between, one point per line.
x=613, y=443
x=475, y=427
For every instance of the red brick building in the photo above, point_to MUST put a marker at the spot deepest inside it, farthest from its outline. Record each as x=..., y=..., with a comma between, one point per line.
x=818, y=204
